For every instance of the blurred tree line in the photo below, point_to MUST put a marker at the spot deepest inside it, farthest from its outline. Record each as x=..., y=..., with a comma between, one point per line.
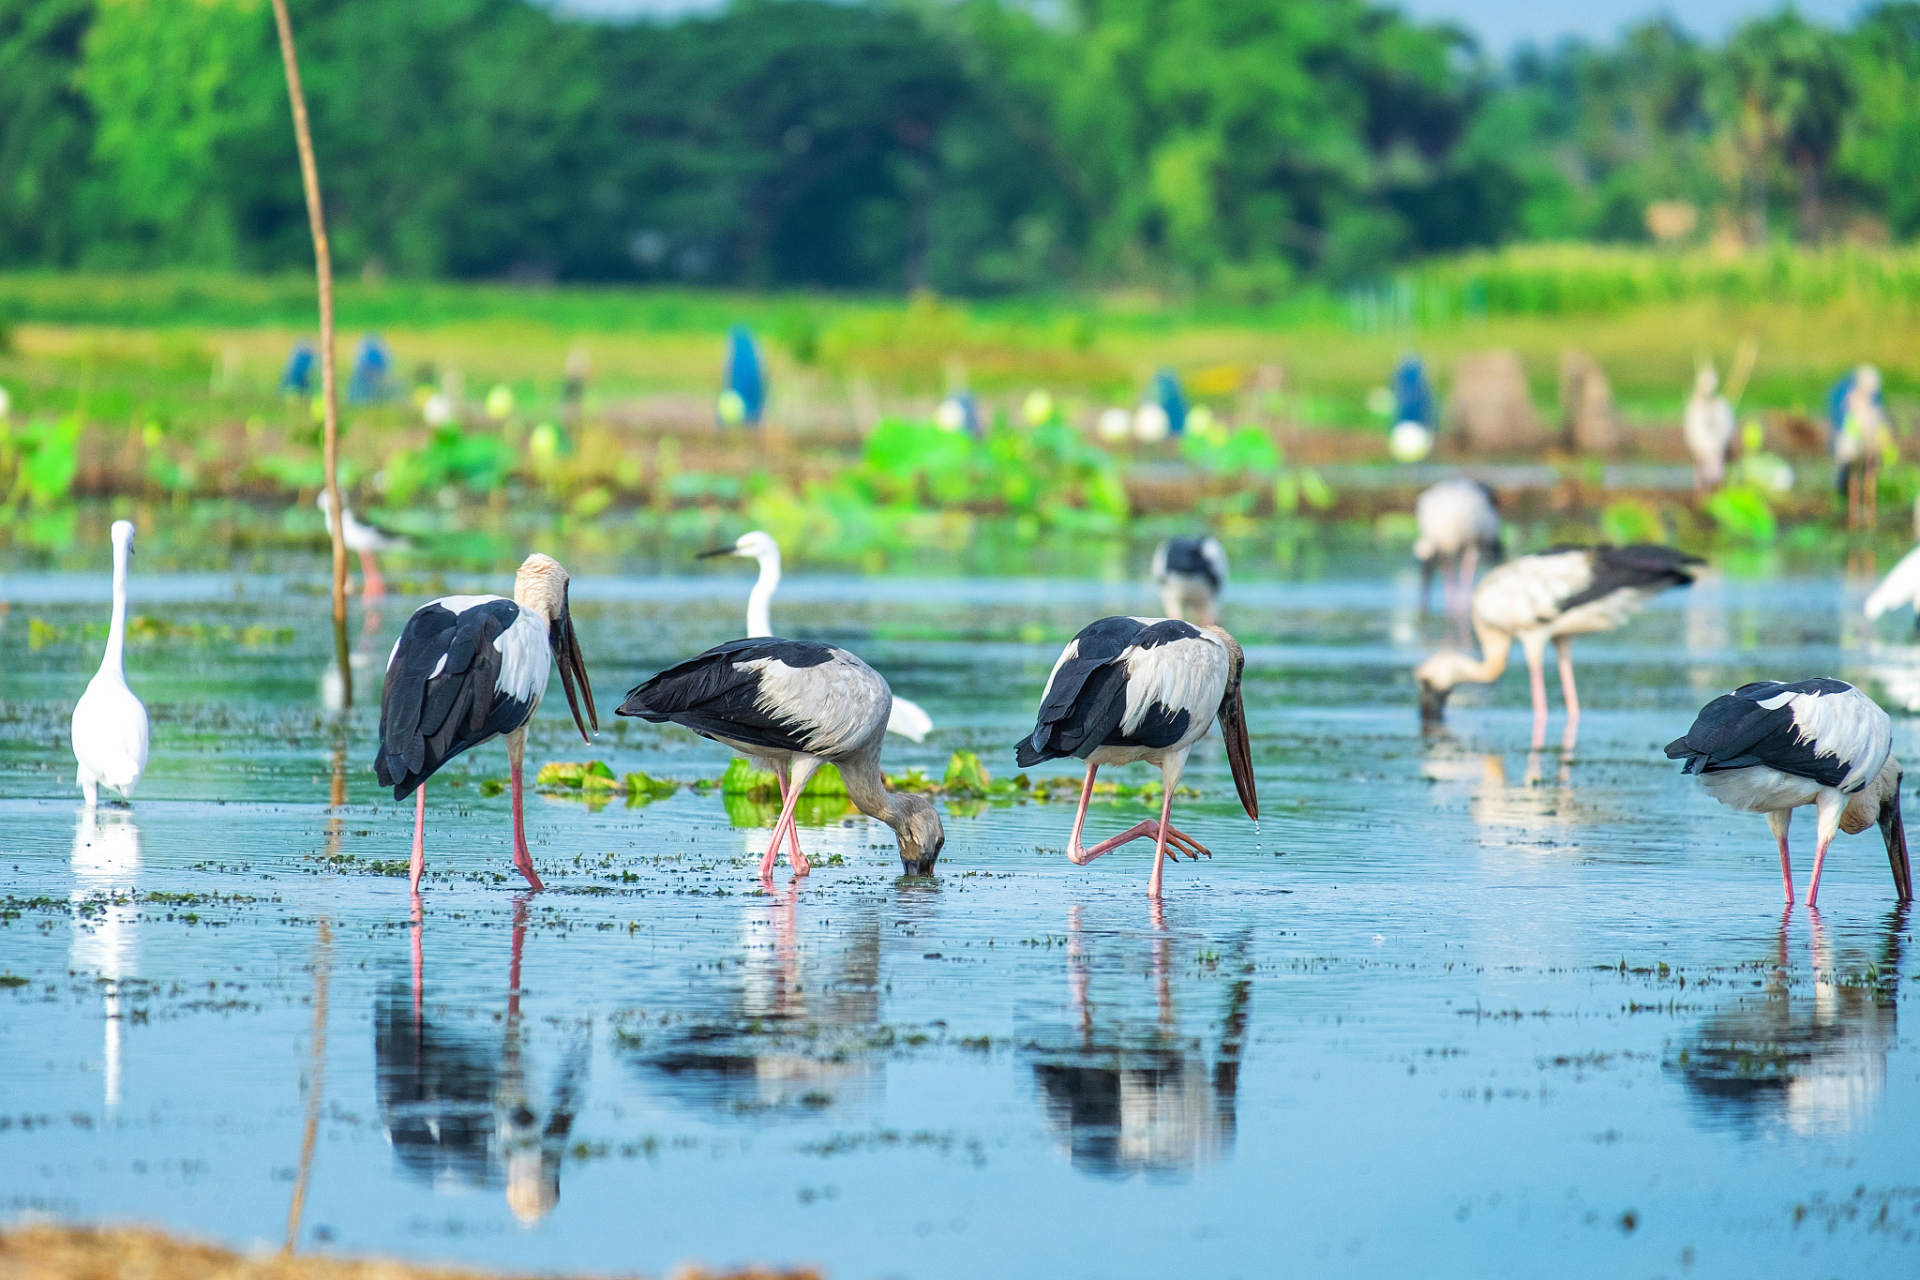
x=968, y=145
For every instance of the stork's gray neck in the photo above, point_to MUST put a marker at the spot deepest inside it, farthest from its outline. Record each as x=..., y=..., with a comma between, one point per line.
x=866, y=786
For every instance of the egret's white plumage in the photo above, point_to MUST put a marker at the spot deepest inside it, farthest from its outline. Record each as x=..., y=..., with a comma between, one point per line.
x=1901, y=587
x=1127, y=690
x=1708, y=429
x=905, y=718
x=109, y=722
x=1458, y=523
x=1551, y=596
x=1771, y=748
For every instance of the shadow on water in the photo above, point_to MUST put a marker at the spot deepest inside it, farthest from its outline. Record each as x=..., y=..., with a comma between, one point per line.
x=456, y=1096
x=1123, y=1095
x=1786, y=1059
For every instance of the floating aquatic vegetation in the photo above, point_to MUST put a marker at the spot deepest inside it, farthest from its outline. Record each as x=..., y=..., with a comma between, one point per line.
x=593, y=782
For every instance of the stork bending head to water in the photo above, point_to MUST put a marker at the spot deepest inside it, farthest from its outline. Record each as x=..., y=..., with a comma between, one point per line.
x=1458, y=522
x=794, y=706
x=905, y=718
x=467, y=669
x=1132, y=689
x=364, y=540
x=1191, y=574
x=109, y=723
x=1554, y=595
x=1770, y=748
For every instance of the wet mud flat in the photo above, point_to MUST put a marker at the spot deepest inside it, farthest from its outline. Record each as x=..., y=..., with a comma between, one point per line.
x=1455, y=1008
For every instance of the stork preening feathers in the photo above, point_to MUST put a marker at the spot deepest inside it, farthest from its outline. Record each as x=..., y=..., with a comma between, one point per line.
x=468, y=669
x=1459, y=523
x=1769, y=748
x=905, y=718
x=793, y=705
x=1553, y=595
x=1133, y=689
x=109, y=722
x=1191, y=574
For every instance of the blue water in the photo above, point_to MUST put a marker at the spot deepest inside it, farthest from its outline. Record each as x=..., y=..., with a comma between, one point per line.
x=1456, y=1008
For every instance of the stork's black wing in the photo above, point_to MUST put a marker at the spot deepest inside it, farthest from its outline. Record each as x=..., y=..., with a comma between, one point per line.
x=442, y=691
x=1735, y=732
x=1644, y=564
x=715, y=698
x=1088, y=696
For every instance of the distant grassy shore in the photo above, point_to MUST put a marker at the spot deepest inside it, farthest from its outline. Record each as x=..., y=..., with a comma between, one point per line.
x=145, y=388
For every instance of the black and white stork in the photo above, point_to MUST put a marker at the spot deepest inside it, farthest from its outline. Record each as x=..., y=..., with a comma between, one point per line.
x=1191, y=574
x=1459, y=523
x=363, y=539
x=1554, y=595
x=1769, y=748
x=467, y=669
x=1133, y=689
x=794, y=705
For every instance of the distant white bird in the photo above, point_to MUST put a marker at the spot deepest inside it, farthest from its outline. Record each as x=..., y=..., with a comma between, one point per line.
x=794, y=706
x=1191, y=574
x=1708, y=429
x=363, y=539
x=1554, y=595
x=1769, y=748
x=109, y=723
x=1143, y=689
x=1458, y=522
x=906, y=718
x=1901, y=587
x=467, y=669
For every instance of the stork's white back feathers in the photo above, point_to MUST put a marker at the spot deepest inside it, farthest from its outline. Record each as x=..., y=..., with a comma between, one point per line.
x=1453, y=515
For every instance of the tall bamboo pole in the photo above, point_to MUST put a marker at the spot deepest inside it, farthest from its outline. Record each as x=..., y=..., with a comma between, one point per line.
x=329, y=391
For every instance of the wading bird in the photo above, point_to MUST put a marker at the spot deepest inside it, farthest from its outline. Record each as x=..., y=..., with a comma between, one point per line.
x=364, y=540
x=1552, y=595
x=906, y=718
x=1191, y=573
x=1899, y=588
x=1132, y=689
x=1458, y=522
x=1769, y=748
x=1708, y=430
x=109, y=723
x=793, y=706
x=467, y=669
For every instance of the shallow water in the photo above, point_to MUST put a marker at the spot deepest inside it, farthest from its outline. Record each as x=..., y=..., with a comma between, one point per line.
x=1454, y=1008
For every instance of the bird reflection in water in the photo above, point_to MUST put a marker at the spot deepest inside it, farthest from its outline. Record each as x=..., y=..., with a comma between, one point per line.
x=106, y=873
x=796, y=1035
x=457, y=1101
x=1784, y=1059
x=1126, y=1099
x=1506, y=812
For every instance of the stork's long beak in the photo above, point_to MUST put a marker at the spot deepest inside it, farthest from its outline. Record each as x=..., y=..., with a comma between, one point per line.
x=1233, y=731
x=727, y=550
x=566, y=656
x=1896, y=836
x=1433, y=703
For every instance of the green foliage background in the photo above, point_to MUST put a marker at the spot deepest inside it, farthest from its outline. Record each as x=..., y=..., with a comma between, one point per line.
x=1235, y=147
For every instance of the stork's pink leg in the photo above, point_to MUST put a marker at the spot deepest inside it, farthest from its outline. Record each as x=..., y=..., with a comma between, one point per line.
x=1075, y=854
x=1568, y=695
x=1819, y=860
x=781, y=828
x=1469, y=563
x=419, y=838
x=1779, y=822
x=522, y=856
x=1160, y=845
x=793, y=824
x=1537, y=679
x=372, y=585
x=419, y=964
x=1182, y=842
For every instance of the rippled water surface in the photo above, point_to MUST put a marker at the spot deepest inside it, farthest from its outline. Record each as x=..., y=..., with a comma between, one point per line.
x=1454, y=1008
